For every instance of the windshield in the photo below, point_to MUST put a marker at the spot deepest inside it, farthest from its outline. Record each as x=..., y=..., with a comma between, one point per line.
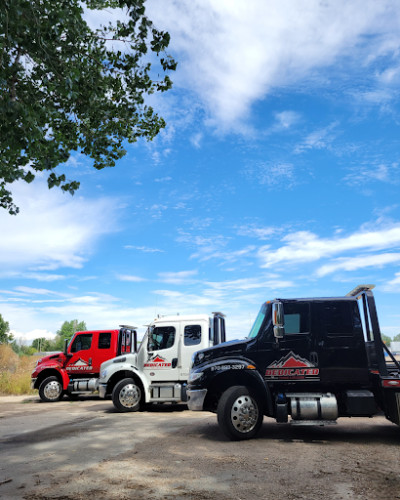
x=258, y=322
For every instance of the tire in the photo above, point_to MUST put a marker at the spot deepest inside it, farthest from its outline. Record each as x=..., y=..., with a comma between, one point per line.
x=127, y=395
x=239, y=413
x=50, y=390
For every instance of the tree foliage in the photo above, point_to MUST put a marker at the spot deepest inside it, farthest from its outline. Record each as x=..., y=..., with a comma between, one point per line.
x=5, y=336
x=67, y=330
x=386, y=339
x=65, y=87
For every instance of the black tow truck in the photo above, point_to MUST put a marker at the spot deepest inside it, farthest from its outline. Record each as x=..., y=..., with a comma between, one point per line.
x=313, y=360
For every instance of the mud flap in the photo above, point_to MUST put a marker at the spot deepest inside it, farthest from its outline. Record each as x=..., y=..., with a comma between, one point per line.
x=392, y=406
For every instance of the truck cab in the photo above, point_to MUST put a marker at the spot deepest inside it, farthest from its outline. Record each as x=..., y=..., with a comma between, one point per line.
x=158, y=372
x=311, y=360
x=76, y=370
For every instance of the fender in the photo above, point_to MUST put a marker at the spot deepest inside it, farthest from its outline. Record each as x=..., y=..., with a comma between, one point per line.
x=128, y=368
x=235, y=366
x=55, y=367
x=144, y=381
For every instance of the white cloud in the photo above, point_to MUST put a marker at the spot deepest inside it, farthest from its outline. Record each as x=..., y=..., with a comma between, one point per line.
x=26, y=290
x=285, y=120
x=234, y=53
x=178, y=278
x=250, y=284
x=129, y=277
x=362, y=174
x=359, y=262
x=272, y=174
x=53, y=229
x=304, y=246
x=144, y=249
x=253, y=231
x=318, y=139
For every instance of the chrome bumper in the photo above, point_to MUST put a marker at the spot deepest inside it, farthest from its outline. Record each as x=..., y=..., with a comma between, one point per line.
x=102, y=390
x=195, y=399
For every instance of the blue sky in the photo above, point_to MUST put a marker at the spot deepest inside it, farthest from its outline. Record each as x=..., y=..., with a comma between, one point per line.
x=277, y=176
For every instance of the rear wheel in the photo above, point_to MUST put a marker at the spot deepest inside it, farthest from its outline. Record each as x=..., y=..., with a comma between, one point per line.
x=127, y=395
x=50, y=390
x=239, y=413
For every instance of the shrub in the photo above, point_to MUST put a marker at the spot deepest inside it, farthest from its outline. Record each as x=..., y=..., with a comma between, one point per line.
x=15, y=372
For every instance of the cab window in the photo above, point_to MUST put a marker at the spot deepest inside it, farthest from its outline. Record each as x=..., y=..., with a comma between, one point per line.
x=341, y=319
x=105, y=340
x=82, y=342
x=161, y=337
x=297, y=318
x=192, y=335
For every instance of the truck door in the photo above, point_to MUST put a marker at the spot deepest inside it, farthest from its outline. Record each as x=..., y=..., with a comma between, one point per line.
x=296, y=349
x=292, y=358
x=340, y=346
x=190, y=342
x=161, y=363
x=80, y=360
x=103, y=348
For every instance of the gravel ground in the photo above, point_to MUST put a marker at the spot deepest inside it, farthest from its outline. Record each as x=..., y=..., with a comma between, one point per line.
x=84, y=450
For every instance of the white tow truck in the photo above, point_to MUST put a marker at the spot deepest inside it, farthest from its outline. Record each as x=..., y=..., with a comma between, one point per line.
x=159, y=370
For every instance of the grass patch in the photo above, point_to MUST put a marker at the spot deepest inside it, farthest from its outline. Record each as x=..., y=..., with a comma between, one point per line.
x=15, y=372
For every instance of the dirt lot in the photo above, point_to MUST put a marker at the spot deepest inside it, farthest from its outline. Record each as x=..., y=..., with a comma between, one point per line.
x=84, y=450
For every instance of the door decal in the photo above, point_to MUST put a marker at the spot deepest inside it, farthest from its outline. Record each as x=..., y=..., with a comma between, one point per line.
x=290, y=367
x=79, y=364
x=156, y=361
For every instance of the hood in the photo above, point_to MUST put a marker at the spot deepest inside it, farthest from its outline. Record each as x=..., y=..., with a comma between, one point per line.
x=56, y=357
x=130, y=358
x=224, y=350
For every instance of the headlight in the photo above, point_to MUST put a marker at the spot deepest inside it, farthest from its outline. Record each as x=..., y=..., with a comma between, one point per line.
x=193, y=376
x=103, y=374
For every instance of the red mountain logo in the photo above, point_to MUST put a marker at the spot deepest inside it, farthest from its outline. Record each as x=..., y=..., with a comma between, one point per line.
x=292, y=366
x=158, y=359
x=80, y=364
x=157, y=362
x=291, y=360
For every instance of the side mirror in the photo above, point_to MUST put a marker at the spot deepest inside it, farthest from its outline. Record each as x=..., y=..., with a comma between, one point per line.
x=65, y=346
x=278, y=320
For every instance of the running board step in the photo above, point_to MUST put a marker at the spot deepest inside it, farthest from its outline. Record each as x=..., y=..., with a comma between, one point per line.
x=313, y=422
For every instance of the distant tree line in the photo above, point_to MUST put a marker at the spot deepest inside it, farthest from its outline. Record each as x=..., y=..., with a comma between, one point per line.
x=41, y=344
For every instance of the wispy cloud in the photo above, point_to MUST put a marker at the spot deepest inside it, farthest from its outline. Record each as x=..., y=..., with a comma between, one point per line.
x=144, y=249
x=131, y=278
x=318, y=139
x=305, y=246
x=359, y=262
x=272, y=174
x=179, y=277
x=230, y=75
x=254, y=231
x=53, y=229
x=363, y=174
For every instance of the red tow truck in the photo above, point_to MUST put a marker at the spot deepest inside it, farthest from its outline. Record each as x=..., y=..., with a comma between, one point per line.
x=76, y=370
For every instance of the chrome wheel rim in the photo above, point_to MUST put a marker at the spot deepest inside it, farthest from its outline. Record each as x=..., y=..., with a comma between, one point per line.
x=244, y=414
x=52, y=390
x=129, y=395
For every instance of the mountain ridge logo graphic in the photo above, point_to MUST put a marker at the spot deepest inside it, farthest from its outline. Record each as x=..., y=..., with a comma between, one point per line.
x=157, y=362
x=292, y=360
x=80, y=364
x=292, y=367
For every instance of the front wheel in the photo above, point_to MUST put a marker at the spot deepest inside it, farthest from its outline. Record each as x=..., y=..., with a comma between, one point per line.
x=50, y=390
x=239, y=413
x=127, y=396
